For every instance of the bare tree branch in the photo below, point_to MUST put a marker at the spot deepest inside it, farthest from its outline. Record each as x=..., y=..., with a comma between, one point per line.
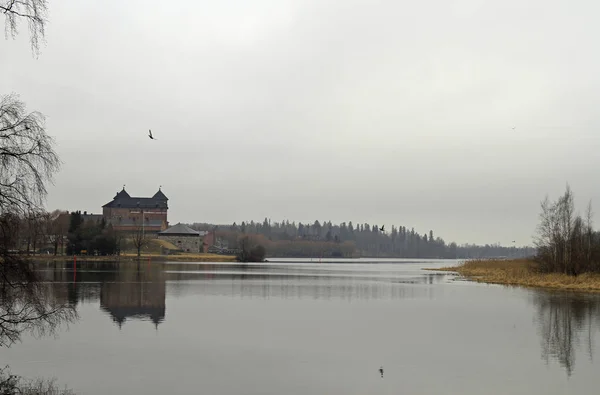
x=139, y=239
x=27, y=157
x=33, y=11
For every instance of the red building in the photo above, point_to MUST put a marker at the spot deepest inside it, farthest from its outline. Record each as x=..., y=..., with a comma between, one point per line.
x=130, y=213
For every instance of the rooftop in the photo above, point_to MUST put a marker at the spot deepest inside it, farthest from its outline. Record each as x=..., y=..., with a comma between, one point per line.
x=123, y=200
x=181, y=229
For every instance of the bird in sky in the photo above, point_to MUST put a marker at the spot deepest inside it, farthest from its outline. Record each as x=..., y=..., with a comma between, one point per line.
x=381, y=371
x=150, y=134
x=381, y=229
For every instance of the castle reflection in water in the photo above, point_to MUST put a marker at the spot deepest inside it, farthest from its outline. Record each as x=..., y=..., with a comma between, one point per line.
x=129, y=291
x=125, y=291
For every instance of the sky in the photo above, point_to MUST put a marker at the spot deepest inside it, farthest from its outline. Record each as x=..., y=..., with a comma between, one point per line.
x=386, y=112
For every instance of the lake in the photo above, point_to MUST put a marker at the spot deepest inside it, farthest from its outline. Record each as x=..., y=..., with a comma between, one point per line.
x=309, y=327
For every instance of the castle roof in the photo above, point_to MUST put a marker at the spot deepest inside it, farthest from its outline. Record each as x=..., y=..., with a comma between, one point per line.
x=159, y=195
x=123, y=200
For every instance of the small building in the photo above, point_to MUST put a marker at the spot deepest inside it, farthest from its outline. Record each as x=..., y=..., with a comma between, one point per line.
x=184, y=238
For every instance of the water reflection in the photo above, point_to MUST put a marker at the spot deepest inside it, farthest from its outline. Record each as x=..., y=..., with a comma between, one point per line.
x=125, y=291
x=135, y=293
x=397, y=314
x=299, y=282
x=132, y=291
x=566, y=322
x=27, y=303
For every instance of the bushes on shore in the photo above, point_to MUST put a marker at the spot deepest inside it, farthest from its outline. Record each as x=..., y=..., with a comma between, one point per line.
x=250, y=250
x=15, y=385
x=566, y=241
x=91, y=237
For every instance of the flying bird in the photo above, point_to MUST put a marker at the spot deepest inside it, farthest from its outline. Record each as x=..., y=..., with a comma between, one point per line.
x=381, y=229
x=381, y=371
x=150, y=134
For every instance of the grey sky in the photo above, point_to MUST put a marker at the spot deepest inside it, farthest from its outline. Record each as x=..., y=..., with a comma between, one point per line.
x=384, y=112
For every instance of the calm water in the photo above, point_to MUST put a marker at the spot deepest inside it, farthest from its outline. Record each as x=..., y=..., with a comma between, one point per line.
x=292, y=327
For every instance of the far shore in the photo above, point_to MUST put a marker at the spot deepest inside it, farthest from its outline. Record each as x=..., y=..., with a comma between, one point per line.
x=134, y=258
x=522, y=272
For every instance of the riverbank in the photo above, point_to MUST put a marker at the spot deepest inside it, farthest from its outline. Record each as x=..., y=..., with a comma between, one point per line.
x=133, y=258
x=523, y=272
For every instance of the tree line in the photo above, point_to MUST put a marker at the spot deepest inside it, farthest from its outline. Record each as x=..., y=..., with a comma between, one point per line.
x=291, y=239
x=566, y=241
x=57, y=232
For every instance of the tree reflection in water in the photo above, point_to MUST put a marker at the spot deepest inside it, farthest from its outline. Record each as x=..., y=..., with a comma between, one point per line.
x=27, y=305
x=566, y=322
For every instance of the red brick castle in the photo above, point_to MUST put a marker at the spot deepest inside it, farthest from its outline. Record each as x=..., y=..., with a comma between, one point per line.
x=130, y=213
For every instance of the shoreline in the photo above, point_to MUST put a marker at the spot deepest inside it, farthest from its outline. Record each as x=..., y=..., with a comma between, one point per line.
x=523, y=273
x=123, y=258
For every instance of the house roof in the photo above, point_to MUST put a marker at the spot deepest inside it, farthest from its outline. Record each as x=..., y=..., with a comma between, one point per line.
x=180, y=229
x=123, y=200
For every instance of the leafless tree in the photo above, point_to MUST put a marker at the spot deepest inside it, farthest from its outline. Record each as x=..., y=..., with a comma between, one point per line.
x=11, y=384
x=139, y=239
x=34, y=230
x=56, y=225
x=566, y=241
x=33, y=12
x=27, y=157
x=9, y=232
x=589, y=231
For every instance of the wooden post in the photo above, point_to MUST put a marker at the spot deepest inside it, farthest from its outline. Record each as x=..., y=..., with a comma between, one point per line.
x=74, y=267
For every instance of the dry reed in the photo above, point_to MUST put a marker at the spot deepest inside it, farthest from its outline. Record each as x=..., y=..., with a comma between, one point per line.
x=523, y=272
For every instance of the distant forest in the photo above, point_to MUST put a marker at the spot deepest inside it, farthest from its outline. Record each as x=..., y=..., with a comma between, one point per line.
x=285, y=239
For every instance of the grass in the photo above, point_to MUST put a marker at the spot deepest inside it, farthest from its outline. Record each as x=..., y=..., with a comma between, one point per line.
x=164, y=244
x=523, y=272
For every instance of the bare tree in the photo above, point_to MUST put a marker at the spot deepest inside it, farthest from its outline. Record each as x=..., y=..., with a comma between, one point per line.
x=27, y=157
x=589, y=231
x=11, y=384
x=567, y=242
x=35, y=230
x=56, y=226
x=139, y=239
x=33, y=12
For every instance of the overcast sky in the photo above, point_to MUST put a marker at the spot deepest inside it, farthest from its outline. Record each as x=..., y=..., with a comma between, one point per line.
x=376, y=111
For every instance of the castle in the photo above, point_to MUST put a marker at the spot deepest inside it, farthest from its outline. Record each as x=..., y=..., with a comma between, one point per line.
x=128, y=213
